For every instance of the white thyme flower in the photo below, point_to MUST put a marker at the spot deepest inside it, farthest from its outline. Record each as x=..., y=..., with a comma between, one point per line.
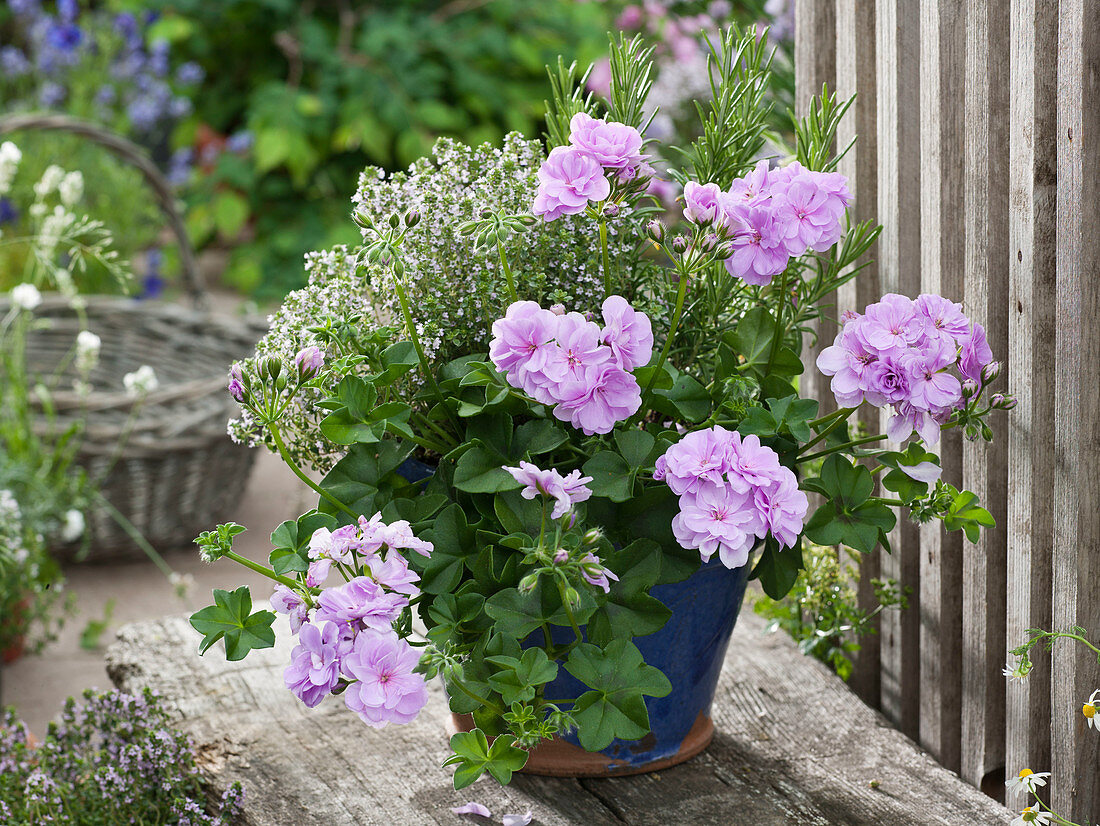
x=71, y=188
x=1027, y=780
x=73, y=528
x=26, y=296
x=1033, y=815
x=9, y=163
x=1090, y=709
x=50, y=180
x=182, y=583
x=88, y=345
x=141, y=382
x=8, y=506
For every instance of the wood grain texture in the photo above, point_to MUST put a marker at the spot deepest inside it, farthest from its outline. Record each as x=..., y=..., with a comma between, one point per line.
x=942, y=71
x=794, y=746
x=1031, y=319
x=985, y=472
x=855, y=76
x=897, y=38
x=814, y=65
x=1076, y=599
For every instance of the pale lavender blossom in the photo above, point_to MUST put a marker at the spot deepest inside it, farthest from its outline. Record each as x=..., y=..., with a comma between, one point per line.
x=579, y=347
x=386, y=689
x=627, y=332
x=594, y=572
x=393, y=573
x=291, y=603
x=568, y=180
x=718, y=520
x=309, y=362
x=399, y=536
x=612, y=145
x=236, y=383
x=565, y=490
x=607, y=394
x=523, y=343
x=752, y=190
x=783, y=508
x=759, y=250
x=360, y=603
x=975, y=354
x=314, y=668
x=517, y=819
x=702, y=203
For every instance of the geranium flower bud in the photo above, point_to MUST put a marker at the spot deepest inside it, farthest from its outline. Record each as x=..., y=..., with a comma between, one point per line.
x=680, y=244
x=1002, y=402
x=412, y=218
x=655, y=230
x=528, y=583
x=572, y=598
x=236, y=384
x=611, y=210
x=309, y=360
x=592, y=536
x=991, y=371
x=561, y=556
x=362, y=219
x=557, y=309
x=394, y=220
x=969, y=388
x=270, y=367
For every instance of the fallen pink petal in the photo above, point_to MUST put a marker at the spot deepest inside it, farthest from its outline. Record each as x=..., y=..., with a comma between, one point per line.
x=472, y=808
x=518, y=820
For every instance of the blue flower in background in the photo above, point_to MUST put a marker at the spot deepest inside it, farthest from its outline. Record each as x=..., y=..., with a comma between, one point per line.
x=13, y=62
x=239, y=141
x=51, y=94
x=144, y=112
x=65, y=37
x=152, y=283
x=179, y=166
x=106, y=95
x=190, y=73
x=158, y=58
x=68, y=10
x=24, y=8
x=180, y=107
x=9, y=212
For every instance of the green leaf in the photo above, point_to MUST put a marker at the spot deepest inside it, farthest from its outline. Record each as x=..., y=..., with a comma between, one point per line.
x=629, y=610
x=517, y=679
x=473, y=756
x=965, y=514
x=777, y=568
x=229, y=618
x=230, y=213
x=291, y=541
x=516, y=614
x=480, y=471
x=611, y=476
x=453, y=542
x=687, y=398
x=538, y=436
x=357, y=478
x=452, y=616
x=619, y=680
x=397, y=360
x=635, y=446
x=753, y=340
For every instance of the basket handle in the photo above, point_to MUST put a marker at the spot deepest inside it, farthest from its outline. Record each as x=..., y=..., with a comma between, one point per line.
x=135, y=156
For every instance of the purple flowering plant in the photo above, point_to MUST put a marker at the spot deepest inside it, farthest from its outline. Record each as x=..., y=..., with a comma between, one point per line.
x=597, y=450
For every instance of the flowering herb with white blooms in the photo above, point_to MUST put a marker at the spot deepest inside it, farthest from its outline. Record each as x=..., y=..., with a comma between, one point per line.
x=518, y=447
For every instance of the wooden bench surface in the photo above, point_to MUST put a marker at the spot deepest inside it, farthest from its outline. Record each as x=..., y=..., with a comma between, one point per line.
x=794, y=746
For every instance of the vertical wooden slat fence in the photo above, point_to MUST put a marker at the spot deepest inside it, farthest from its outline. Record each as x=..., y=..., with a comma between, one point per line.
x=979, y=127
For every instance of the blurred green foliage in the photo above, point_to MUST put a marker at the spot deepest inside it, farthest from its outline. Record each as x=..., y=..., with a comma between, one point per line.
x=327, y=88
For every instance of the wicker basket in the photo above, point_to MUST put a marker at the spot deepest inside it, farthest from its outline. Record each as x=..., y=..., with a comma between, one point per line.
x=165, y=461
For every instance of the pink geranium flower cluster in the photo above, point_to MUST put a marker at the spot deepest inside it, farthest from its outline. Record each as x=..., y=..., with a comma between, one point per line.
x=572, y=363
x=900, y=352
x=573, y=176
x=732, y=492
x=772, y=215
x=347, y=634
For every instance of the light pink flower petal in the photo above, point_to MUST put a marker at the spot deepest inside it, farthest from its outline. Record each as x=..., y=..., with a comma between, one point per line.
x=472, y=808
x=518, y=820
x=924, y=472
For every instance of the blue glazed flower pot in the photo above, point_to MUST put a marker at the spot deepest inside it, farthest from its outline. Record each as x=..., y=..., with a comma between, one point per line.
x=689, y=649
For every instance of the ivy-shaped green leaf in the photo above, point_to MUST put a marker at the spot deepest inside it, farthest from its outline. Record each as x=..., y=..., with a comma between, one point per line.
x=230, y=618
x=629, y=610
x=291, y=541
x=473, y=756
x=517, y=679
x=777, y=568
x=611, y=476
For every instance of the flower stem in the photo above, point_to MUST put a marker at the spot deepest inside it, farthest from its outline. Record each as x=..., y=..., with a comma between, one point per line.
x=854, y=443
x=297, y=471
x=425, y=368
x=262, y=569
x=780, y=330
x=606, y=258
x=487, y=703
x=838, y=419
x=507, y=272
x=681, y=295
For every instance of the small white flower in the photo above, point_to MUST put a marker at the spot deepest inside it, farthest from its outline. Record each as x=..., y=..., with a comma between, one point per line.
x=182, y=583
x=1090, y=709
x=21, y=555
x=1027, y=780
x=8, y=505
x=73, y=528
x=88, y=345
x=71, y=188
x=50, y=180
x=1015, y=669
x=1033, y=815
x=9, y=163
x=26, y=296
x=141, y=382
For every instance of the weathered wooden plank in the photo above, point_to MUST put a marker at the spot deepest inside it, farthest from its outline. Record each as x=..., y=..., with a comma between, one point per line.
x=814, y=65
x=1076, y=750
x=985, y=471
x=897, y=37
x=1031, y=316
x=855, y=76
x=942, y=64
x=795, y=746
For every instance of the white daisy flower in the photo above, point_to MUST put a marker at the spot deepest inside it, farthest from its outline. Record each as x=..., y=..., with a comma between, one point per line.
x=1027, y=780
x=1090, y=708
x=1033, y=815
